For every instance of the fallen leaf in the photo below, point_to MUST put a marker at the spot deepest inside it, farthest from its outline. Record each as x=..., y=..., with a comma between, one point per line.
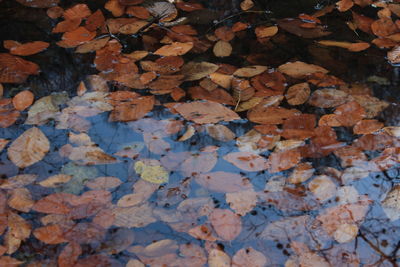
x=328, y=98
x=69, y=255
x=218, y=258
x=247, y=161
x=29, y=148
x=14, y=69
x=21, y=199
x=151, y=172
x=300, y=69
x=39, y=3
x=242, y=202
x=222, y=49
x=203, y=112
x=50, y=234
x=283, y=160
x=250, y=71
x=226, y=224
x=23, y=100
x=18, y=181
x=174, y=49
x=55, y=180
x=298, y=94
x=249, y=257
x=220, y=132
x=197, y=70
x=265, y=31
x=322, y=187
x=224, y=182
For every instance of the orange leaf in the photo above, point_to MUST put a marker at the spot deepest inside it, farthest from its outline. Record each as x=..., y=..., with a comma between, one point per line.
x=265, y=32
x=23, y=100
x=283, y=160
x=344, y=5
x=14, y=69
x=79, y=11
x=174, y=49
x=69, y=255
x=50, y=234
x=76, y=37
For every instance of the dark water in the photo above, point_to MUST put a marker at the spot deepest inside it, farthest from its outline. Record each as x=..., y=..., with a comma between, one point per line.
x=62, y=70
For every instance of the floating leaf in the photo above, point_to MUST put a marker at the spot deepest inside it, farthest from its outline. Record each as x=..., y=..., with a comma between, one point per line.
x=55, y=180
x=28, y=49
x=226, y=224
x=205, y=112
x=242, y=202
x=23, y=100
x=300, y=69
x=218, y=258
x=174, y=49
x=50, y=234
x=152, y=173
x=265, y=32
x=197, y=70
x=298, y=94
x=29, y=148
x=222, y=49
x=250, y=71
x=249, y=257
x=247, y=161
x=224, y=182
x=14, y=69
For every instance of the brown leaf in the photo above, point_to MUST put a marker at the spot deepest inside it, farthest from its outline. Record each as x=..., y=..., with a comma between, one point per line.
x=50, y=234
x=226, y=224
x=270, y=115
x=23, y=100
x=134, y=109
x=247, y=161
x=328, y=98
x=28, y=49
x=29, y=148
x=242, y=202
x=344, y=5
x=218, y=258
x=367, y=126
x=265, y=31
x=300, y=69
x=14, y=69
x=222, y=49
x=7, y=261
x=69, y=255
x=18, y=181
x=197, y=70
x=298, y=94
x=294, y=26
x=174, y=49
x=93, y=45
x=205, y=112
x=283, y=160
x=57, y=203
x=76, y=37
x=21, y=199
x=383, y=27
x=224, y=182
x=249, y=257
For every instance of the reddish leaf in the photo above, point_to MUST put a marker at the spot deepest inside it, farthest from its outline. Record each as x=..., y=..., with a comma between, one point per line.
x=226, y=224
x=14, y=69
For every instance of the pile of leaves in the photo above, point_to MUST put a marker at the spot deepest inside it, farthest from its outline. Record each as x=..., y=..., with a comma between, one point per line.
x=208, y=194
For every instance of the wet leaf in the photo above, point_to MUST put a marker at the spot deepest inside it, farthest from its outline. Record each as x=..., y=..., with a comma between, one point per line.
x=197, y=70
x=265, y=32
x=300, y=69
x=29, y=148
x=18, y=181
x=249, y=257
x=328, y=98
x=69, y=255
x=21, y=199
x=135, y=216
x=50, y=234
x=174, y=49
x=220, y=132
x=222, y=49
x=250, y=71
x=218, y=258
x=23, y=100
x=104, y=183
x=57, y=203
x=205, y=112
x=298, y=94
x=247, y=161
x=322, y=187
x=93, y=45
x=283, y=160
x=224, y=182
x=226, y=224
x=152, y=173
x=242, y=202
x=14, y=69
x=391, y=204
